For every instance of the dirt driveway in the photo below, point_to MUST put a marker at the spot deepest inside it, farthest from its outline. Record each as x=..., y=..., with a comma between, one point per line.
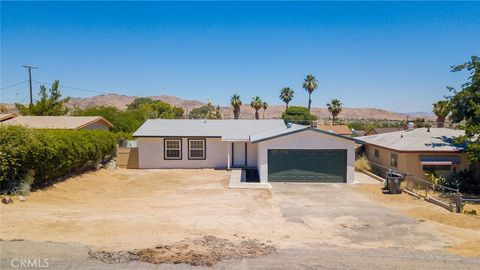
x=137, y=209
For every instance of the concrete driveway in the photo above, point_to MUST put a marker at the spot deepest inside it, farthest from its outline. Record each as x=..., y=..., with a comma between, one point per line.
x=332, y=226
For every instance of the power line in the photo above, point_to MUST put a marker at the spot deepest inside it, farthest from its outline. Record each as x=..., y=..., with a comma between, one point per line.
x=76, y=88
x=15, y=84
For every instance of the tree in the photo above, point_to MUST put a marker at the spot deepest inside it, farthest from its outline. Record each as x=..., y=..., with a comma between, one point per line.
x=256, y=104
x=334, y=107
x=200, y=112
x=419, y=122
x=236, y=103
x=215, y=112
x=123, y=121
x=265, y=107
x=464, y=107
x=286, y=95
x=441, y=110
x=156, y=108
x=298, y=115
x=310, y=84
x=49, y=104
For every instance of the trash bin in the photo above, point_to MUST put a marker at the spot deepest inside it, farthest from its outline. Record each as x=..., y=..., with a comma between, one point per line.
x=393, y=182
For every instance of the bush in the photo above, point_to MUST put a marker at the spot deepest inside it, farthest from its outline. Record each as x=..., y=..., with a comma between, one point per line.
x=48, y=155
x=362, y=164
x=298, y=115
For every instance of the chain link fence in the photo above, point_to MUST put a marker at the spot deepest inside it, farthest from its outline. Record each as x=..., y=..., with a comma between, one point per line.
x=440, y=195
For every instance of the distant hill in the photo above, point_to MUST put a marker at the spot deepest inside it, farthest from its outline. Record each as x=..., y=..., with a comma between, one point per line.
x=274, y=111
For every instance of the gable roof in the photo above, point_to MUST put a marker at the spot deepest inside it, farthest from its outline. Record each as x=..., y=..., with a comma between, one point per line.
x=56, y=122
x=228, y=130
x=417, y=140
x=337, y=129
x=6, y=116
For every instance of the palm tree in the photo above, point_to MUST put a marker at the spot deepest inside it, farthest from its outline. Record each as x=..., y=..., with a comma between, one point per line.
x=265, y=107
x=257, y=104
x=334, y=107
x=236, y=103
x=286, y=95
x=310, y=84
x=441, y=110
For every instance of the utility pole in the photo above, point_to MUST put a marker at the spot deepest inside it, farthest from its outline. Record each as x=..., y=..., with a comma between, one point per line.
x=30, y=78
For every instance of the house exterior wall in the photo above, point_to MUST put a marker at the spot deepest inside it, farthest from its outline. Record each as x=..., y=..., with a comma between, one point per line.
x=409, y=162
x=99, y=125
x=151, y=154
x=305, y=140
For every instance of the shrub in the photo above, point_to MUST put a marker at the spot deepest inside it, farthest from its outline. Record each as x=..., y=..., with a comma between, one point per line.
x=48, y=154
x=362, y=164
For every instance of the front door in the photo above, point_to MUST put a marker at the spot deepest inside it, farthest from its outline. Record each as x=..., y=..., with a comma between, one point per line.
x=239, y=154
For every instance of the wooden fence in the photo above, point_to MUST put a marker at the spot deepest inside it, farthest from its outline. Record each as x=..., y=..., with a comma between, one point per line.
x=127, y=158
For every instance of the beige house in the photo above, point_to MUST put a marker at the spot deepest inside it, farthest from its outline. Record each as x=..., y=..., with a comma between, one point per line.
x=416, y=151
x=337, y=129
x=6, y=116
x=60, y=122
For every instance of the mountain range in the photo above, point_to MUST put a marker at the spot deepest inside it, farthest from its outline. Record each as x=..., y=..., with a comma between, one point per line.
x=246, y=112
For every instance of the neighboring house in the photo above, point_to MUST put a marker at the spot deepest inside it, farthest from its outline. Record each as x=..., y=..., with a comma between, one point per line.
x=337, y=129
x=374, y=131
x=6, y=116
x=417, y=151
x=280, y=152
x=60, y=122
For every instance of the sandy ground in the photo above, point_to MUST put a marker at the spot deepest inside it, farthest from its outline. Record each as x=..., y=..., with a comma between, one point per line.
x=139, y=209
x=465, y=229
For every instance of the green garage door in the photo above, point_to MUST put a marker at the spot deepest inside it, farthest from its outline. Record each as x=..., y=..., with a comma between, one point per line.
x=302, y=165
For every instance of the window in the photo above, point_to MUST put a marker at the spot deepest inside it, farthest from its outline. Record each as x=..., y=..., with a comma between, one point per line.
x=435, y=168
x=393, y=160
x=173, y=149
x=196, y=149
x=377, y=153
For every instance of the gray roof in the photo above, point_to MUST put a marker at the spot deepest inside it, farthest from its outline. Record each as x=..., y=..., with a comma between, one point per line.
x=419, y=139
x=228, y=130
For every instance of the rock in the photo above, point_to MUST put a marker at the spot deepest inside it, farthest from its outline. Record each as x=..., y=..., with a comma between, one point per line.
x=7, y=200
x=22, y=198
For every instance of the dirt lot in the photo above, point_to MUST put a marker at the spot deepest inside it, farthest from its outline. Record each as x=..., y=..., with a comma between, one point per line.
x=131, y=210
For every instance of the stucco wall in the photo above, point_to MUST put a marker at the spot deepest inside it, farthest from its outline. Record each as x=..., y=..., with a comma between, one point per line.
x=99, y=125
x=409, y=162
x=151, y=154
x=305, y=140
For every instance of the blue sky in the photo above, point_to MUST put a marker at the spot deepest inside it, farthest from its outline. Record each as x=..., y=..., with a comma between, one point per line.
x=394, y=56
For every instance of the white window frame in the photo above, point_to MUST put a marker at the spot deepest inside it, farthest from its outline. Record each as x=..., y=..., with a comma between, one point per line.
x=166, y=149
x=204, y=149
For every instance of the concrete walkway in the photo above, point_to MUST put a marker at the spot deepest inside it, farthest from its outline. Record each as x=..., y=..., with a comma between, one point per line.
x=361, y=178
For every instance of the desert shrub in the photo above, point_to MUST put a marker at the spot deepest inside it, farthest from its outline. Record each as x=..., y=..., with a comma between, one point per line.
x=470, y=212
x=35, y=157
x=362, y=164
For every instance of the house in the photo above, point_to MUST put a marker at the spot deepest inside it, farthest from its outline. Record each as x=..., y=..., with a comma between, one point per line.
x=6, y=116
x=374, y=131
x=60, y=122
x=279, y=151
x=416, y=151
x=337, y=129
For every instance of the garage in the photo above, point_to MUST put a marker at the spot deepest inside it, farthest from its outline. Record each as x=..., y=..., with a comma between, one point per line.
x=307, y=165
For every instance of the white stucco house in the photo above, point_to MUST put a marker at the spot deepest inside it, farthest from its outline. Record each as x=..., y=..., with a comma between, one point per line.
x=279, y=151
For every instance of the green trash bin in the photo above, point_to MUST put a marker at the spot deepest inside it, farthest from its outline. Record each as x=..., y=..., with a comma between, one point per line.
x=393, y=182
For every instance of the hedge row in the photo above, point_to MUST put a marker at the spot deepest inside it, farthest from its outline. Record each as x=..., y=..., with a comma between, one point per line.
x=46, y=155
